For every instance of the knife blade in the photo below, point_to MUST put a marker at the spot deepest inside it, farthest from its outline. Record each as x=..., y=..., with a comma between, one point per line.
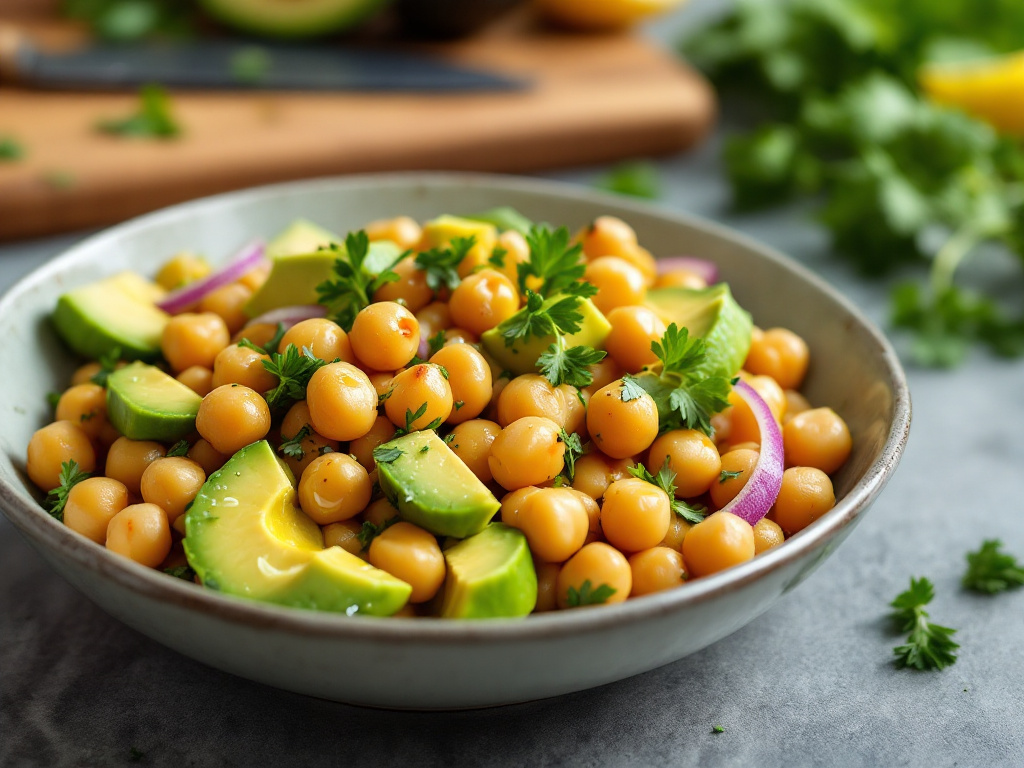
x=223, y=65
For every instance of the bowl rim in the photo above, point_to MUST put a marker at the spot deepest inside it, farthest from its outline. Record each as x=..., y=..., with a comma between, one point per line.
x=146, y=583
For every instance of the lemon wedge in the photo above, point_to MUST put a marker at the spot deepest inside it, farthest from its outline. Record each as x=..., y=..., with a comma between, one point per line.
x=603, y=14
x=992, y=90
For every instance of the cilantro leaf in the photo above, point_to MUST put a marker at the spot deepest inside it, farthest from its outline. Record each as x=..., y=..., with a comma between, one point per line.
x=108, y=364
x=634, y=179
x=929, y=646
x=292, y=446
x=726, y=475
x=152, y=120
x=293, y=369
x=587, y=595
x=181, y=572
x=10, y=150
x=435, y=344
x=354, y=287
x=542, y=318
x=57, y=498
x=369, y=531
x=497, y=257
x=630, y=389
x=569, y=366
x=441, y=265
x=180, y=448
x=383, y=454
x=666, y=480
x=552, y=260
x=573, y=450
x=990, y=571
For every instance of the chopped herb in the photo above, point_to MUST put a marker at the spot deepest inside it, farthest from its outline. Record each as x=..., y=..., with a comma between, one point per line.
x=635, y=179
x=458, y=404
x=448, y=438
x=87, y=416
x=631, y=389
x=424, y=449
x=726, y=475
x=383, y=454
x=325, y=449
x=718, y=729
x=929, y=646
x=181, y=572
x=991, y=571
x=53, y=398
x=152, y=120
x=435, y=344
x=573, y=450
x=666, y=480
x=444, y=371
x=441, y=265
x=569, y=366
x=180, y=448
x=497, y=257
x=293, y=369
x=552, y=261
x=108, y=364
x=250, y=65
x=292, y=447
x=585, y=595
x=10, y=150
x=354, y=287
x=369, y=531
x=543, y=318
x=70, y=476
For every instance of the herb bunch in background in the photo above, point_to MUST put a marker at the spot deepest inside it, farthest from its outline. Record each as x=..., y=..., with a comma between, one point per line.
x=833, y=87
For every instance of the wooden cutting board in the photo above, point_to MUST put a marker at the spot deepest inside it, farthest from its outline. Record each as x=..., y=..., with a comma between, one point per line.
x=594, y=99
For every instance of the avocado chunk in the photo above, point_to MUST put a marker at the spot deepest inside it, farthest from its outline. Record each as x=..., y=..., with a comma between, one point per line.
x=118, y=312
x=290, y=19
x=504, y=218
x=713, y=314
x=246, y=537
x=297, y=267
x=439, y=233
x=490, y=575
x=521, y=356
x=144, y=403
x=432, y=487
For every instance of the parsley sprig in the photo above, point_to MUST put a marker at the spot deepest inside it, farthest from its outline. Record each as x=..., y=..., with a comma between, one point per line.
x=70, y=476
x=573, y=450
x=543, y=318
x=569, y=366
x=293, y=369
x=553, y=262
x=441, y=265
x=666, y=480
x=991, y=571
x=292, y=446
x=108, y=364
x=354, y=285
x=370, y=531
x=180, y=448
x=384, y=454
x=929, y=646
x=587, y=594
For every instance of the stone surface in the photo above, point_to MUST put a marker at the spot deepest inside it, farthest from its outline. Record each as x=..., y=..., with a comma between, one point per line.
x=809, y=683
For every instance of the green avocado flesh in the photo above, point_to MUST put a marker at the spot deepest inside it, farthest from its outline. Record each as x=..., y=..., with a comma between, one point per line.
x=144, y=403
x=432, y=487
x=291, y=18
x=504, y=218
x=246, y=537
x=297, y=267
x=115, y=313
x=713, y=314
x=490, y=575
x=522, y=356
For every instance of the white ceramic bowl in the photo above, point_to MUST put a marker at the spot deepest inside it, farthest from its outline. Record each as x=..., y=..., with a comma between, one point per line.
x=428, y=664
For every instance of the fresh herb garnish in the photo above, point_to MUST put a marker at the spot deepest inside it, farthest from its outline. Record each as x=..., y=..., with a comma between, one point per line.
x=354, y=287
x=383, y=454
x=543, y=318
x=108, y=364
x=271, y=346
x=726, y=475
x=293, y=369
x=497, y=257
x=666, y=480
x=10, y=150
x=929, y=646
x=991, y=571
x=573, y=450
x=57, y=498
x=634, y=179
x=369, y=531
x=435, y=344
x=552, y=261
x=152, y=120
x=292, y=447
x=587, y=595
x=53, y=398
x=181, y=572
x=250, y=65
x=441, y=265
x=569, y=366
x=630, y=389
x=180, y=448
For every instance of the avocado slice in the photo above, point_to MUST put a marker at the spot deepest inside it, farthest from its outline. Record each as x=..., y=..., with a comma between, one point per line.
x=301, y=236
x=246, y=537
x=490, y=575
x=504, y=218
x=144, y=403
x=439, y=232
x=713, y=314
x=432, y=487
x=115, y=313
x=522, y=356
x=291, y=19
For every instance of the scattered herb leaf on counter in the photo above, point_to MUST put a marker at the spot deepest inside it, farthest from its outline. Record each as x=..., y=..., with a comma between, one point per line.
x=634, y=179
x=718, y=729
x=842, y=120
x=10, y=150
x=991, y=571
x=152, y=120
x=250, y=65
x=929, y=646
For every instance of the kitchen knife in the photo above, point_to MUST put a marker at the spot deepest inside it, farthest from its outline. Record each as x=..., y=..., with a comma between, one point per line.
x=216, y=64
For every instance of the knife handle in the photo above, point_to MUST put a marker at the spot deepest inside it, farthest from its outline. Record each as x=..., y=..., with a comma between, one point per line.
x=12, y=45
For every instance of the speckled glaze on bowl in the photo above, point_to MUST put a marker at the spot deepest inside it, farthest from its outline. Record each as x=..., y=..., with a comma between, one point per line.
x=434, y=664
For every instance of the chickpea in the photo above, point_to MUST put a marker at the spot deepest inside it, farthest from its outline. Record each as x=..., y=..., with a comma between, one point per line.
x=342, y=402
x=411, y=288
x=600, y=565
x=86, y=406
x=517, y=251
x=172, y=483
x=380, y=512
x=141, y=533
x=381, y=382
x=692, y=456
x=91, y=504
x=459, y=336
x=595, y=472
x=594, y=532
x=433, y=318
x=767, y=534
x=84, y=373
x=530, y=395
x=642, y=259
x=527, y=452
x=681, y=278
x=744, y=426
x=385, y=336
x=721, y=541
x=806, y=494
x=781, y=354
x=633, y=330
x=547, y=586
x=555, y=523
x=574, y=411
x=604, y=373
x=194, y=339
x=512, y=504
x=416, y=387
x=181, y=269
x=254, y=278
x=483, y=300
x=619, y=428
x=362, y=448
x=469, y=377
x=206, y=456
x=607, y=236
x=618, y=283
x=334, y=487
x=324, y=338
x=403, y=231
x=656, y=569
x=636, y=515
x=411, y=554
x=345, y=535
x=677, y=530
x=795, y=403
x=198, y=379
x=228, y=302
x=127, y=460
x=233, y=416
x=241, y=365
x=471, y=441
x=817, y=438
x=737, y=466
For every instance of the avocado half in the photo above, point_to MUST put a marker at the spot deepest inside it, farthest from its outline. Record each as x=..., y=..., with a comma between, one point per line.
x=292, y=18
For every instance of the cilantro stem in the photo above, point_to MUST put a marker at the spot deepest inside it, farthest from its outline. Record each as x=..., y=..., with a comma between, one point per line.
x=951, y=255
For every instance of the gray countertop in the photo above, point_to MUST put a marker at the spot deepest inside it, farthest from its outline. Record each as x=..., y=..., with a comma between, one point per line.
x=809, y=683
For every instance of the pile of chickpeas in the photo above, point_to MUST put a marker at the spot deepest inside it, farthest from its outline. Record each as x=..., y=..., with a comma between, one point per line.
x=605, y=527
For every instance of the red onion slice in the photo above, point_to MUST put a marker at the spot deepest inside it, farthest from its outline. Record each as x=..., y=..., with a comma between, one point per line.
x=762, y=488
x=290, y=315
x=703, y=268
x=250, y=257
